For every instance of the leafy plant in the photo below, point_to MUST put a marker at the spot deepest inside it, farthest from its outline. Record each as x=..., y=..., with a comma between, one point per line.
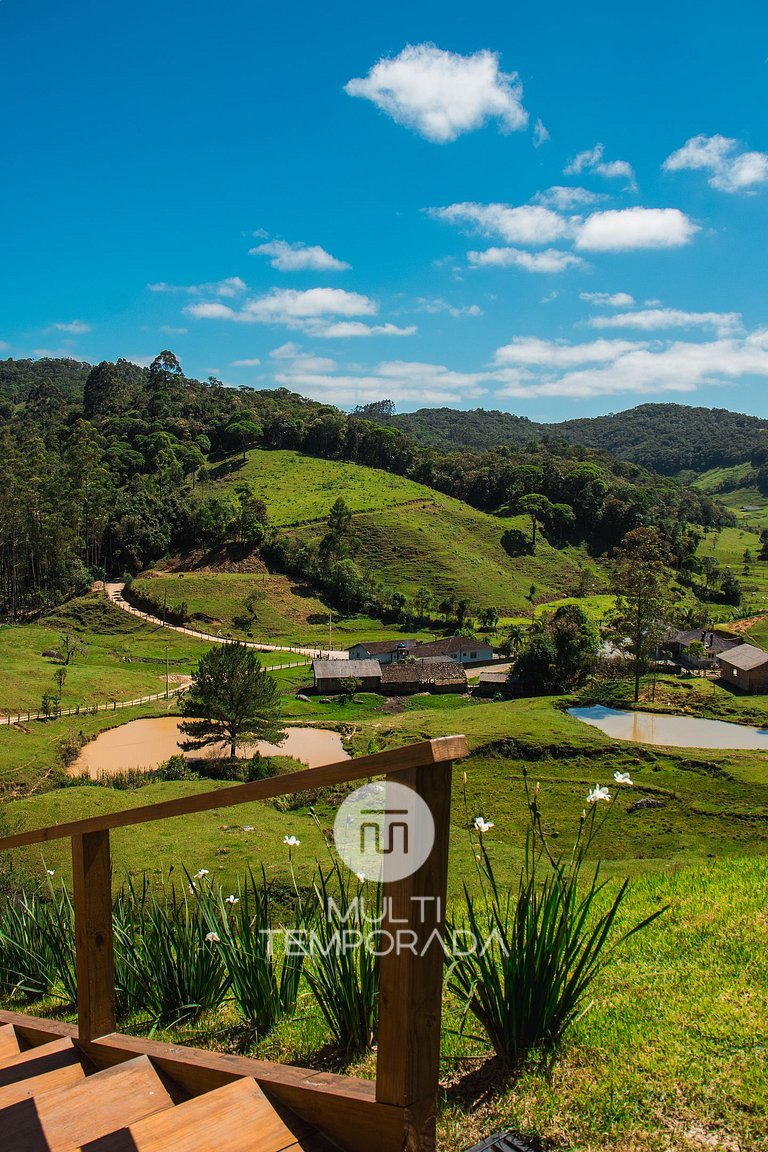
x=540, y=945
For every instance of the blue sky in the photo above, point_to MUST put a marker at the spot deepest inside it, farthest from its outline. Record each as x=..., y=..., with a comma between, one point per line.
x=556, y=212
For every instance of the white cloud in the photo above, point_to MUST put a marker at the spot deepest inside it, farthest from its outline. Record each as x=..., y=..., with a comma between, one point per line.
x=593, y=160
x=609, y=299
x=73, y=327
x=298, y=257
x=730, y=169
x=530, y=350
x=540, y=134
x=652, y=319
x=524, y=224
x=245, y=363
x=457, y=312
x=4, y=346
x=398, y=380
x=622, y=230
x=550, y=260
x=226, y=289
x=343, y=329
x=563, y=198
x=443, y=94
x=289, y=306
x=170, y=330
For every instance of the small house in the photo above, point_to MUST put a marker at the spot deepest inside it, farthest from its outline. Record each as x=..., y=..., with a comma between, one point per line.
x=385, y=651
x=330, y=675
x=712, y=643
x=430, y=676
x=503, y=684
x=744, y=667
x=461, y=649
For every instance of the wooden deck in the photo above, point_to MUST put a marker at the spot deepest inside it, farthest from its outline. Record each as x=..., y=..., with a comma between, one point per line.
x=66, y=1087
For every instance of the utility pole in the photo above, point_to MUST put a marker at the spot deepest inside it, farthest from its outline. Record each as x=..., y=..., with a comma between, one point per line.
x=330, y=632
x=166, y=669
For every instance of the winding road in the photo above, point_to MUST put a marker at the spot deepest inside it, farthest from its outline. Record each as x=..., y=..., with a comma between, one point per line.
x=115, y=591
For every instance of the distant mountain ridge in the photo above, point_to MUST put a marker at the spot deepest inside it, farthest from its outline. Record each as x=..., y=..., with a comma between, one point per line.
x=669, y=438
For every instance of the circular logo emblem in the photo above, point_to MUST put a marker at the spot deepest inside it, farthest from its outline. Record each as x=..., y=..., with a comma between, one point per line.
x=384, y=832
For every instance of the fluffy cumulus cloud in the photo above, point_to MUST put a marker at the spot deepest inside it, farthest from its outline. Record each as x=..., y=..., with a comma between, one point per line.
x=455, y=311
x=326, y=312
x=252, y=363
x=608, y=299
x=563, y=198
x=628, y=229
x=730, y=167
x=548, y=261
x=298, y=257
x=593, y=160
x=612, y=367
x=522, y=224
x=655, y=319
x=540, y=134
x=531, y=225
x=405, y=382
x=442, y=94
x=226, y=289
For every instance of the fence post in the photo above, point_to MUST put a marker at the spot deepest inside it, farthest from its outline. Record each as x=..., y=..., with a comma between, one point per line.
x=411, y=979
x=95, y=961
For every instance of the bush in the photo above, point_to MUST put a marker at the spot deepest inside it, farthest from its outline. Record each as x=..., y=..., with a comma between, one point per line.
x=544, y=942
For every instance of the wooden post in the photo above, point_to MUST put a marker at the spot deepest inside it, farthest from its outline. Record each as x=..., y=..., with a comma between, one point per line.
x=92, y=889
x=411, y=983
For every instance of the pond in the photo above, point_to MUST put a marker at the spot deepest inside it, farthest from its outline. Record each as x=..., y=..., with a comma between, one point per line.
x=144, y=744
x=672, y=731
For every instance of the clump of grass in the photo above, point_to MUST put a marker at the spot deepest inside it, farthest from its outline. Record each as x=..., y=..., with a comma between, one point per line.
x=537, y=946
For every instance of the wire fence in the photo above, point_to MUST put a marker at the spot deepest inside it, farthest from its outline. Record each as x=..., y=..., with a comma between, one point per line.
x=53, y=712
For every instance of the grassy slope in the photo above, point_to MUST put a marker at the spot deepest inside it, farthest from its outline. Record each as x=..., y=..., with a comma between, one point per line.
x=410, y=537
x=728, y=547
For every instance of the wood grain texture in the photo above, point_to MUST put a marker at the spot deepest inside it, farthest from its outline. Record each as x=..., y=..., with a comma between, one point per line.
x=70, y=1117
x=235, y=1118
x=57, y=1053
x=62, y=1077
x=411, y=981
x=9, y=1044
x=382, y=763
x=94, y=946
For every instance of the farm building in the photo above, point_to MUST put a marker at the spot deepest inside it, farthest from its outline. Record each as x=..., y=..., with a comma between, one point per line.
x=462, y=649
x=497, y=684
x=385, y=651
x=430, y=676
x=744, y=667
x=714, y=644
x=331, y=674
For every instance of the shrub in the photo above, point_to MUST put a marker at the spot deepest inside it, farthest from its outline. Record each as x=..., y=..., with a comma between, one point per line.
x=543, y=941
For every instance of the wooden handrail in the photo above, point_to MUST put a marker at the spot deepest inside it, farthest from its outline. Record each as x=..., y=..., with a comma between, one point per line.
x=410, y=977
x=380, y=764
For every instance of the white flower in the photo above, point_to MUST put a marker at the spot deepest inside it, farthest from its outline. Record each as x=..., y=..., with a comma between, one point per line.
x=248, y=828
x=291, y=841
x=212, y=938
x=233, y=900
x=598, y=793
x=199, y=875
x=51, y=871
x=192, y=889
x=623, y=778
x=482, y=825
x=361, y=877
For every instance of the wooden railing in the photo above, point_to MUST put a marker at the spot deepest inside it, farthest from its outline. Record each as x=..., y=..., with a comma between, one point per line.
x=410, y=981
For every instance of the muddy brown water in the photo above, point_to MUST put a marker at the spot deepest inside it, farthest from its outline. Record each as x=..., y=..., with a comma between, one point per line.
x=144, y=744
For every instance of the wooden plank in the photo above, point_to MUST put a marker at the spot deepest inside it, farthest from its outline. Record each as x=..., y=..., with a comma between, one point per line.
x=30, y=1086
x=34, y=1030
x=58, y=1053
x=9, y=1044
x=69, y=1117
x=411, y=981
x=398, y=760
x=235, y=1118
x=94, y=945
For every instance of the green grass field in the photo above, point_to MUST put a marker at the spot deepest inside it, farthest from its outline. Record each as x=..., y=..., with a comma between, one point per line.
x=297, y=489
x=747, y=503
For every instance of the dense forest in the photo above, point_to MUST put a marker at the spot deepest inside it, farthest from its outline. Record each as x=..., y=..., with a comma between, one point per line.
x=668, y=438
x=99, y=468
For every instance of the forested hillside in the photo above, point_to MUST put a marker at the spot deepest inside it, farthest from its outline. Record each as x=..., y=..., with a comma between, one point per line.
x=668, y=438
x=110, y=479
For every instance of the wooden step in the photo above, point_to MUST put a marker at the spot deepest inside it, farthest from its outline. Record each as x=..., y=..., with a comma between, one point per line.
x=9, y=1044
x=235, y=1118
x=62, y=1077
x=67, y=1118
x=34, y=1061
